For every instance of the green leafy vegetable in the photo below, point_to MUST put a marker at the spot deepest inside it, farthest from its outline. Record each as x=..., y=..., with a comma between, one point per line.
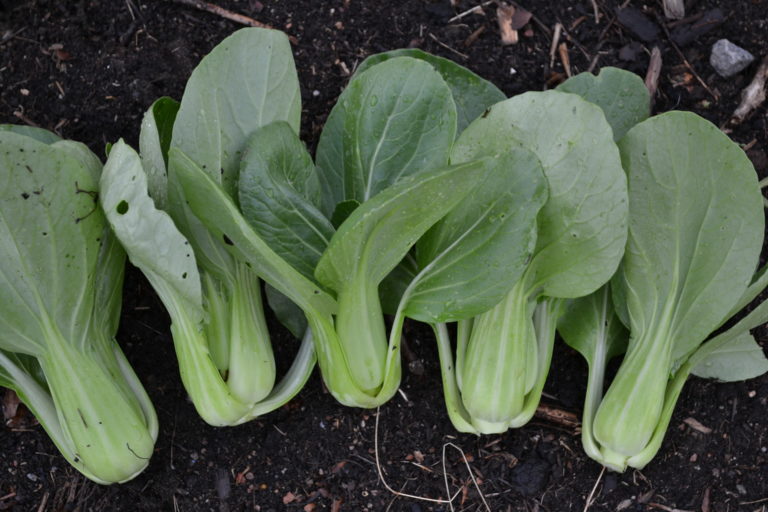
x=60, y=296
x=621, y=94
x=695, y=240
x=192, y=153
x=581, y=233
x=472, y=94
x=395, y=120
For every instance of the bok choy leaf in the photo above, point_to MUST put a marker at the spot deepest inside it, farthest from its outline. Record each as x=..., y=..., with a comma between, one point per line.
x=60, y=295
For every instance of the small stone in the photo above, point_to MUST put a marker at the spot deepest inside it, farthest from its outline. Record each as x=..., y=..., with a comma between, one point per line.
x=729, y=59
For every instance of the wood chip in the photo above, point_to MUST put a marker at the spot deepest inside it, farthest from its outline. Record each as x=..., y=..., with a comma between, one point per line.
x=674, y=9
x=506, y=14
x=753, y=95
x=654, y=71
x=289, y=498
x=697, y=426
x=565, y=418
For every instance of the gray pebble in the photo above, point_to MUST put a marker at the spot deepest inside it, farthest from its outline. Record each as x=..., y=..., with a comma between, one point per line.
x=729, y=59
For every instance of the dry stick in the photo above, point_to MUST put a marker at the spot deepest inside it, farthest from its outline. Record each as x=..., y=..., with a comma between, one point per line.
x=457, y=52
x=224, y=13
x=753, y=95
x=597, y=12
x=688, y=64
x=555, y=41
x=562, y=49
x=227, y=14
x=591, y=496
x=471, y=475
x=474, y=9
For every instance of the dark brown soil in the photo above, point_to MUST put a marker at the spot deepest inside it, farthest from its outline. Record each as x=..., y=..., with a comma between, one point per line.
x=89, y=68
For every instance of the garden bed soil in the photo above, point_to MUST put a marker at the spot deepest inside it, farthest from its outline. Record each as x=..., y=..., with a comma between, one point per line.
x=88, y=69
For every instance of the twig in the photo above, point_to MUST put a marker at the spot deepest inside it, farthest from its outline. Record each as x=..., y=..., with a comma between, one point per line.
x=591, y=496
x=753, y=95
x=597, y=12
x=688, y=64
x=653, y=73
x=25, y=119
x=474, y=9
x=43, y=503
x=555, y=41
x=565, y=58
x=558, y=416
x=227, y=14
x=457, y=52
x=666, y=508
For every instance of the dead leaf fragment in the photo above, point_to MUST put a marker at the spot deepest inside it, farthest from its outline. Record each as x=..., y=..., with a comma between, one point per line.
x=289, y=498
x=506, y=15
x=10, y=405
x=697, y=426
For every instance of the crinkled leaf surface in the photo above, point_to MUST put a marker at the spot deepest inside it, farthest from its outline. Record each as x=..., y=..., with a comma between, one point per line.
x=471, y=93
x=280, y=194
x=473, y=256
x=247, y=81
x=696, y=226
x=393, y=121
x=50, y=234
x=582, y=227
x=621, y=94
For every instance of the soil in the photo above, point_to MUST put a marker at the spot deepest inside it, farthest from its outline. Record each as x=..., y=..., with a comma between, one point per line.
x=88, y=69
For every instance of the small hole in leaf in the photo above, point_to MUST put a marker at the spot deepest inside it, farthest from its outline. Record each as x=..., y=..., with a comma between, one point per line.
x=122, y=207
x=184, y=275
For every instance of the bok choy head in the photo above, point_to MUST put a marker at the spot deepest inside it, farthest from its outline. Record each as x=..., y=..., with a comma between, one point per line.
x=696, y=231
x=190, y=161
x=382, y=179
x=61, y=276
x=503, y=355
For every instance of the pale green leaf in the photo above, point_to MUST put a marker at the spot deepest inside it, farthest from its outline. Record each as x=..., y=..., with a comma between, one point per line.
x=582, y=227
x=154, y=141
x=379, y=233
x=474, y=255
x=696, y=227
x=224, y=223
x=395, y=120
x=50, y=228
x=621, y=94
x=39, y=134
x=152, y=241
x=280, y=194
x=247, y=81
x=740, y=359
x=471, y=93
